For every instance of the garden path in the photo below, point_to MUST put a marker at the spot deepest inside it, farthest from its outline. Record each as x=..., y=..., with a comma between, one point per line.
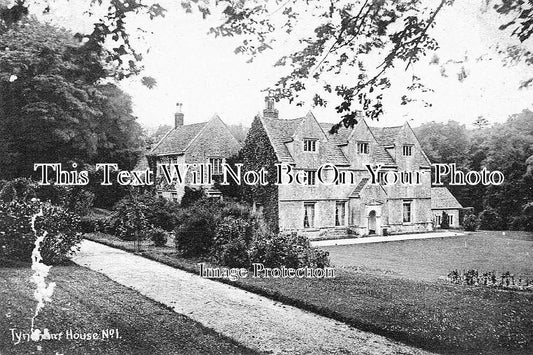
x=390, y=238
x=255, y=321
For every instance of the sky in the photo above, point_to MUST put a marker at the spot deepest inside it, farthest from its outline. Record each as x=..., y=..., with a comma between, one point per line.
x=205, y=75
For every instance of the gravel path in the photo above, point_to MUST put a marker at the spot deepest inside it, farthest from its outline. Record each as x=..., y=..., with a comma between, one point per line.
x=390, y=238
x=252, y=320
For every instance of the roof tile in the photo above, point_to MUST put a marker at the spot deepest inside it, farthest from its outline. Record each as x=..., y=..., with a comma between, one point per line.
x=442, y=198
x=177, y=140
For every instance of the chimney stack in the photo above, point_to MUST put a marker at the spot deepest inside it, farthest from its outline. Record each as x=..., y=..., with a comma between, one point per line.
x=270, y=111
x=178, y=116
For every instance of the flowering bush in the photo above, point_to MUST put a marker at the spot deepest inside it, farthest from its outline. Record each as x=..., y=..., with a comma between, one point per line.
x=17, y=237
x=490, y=279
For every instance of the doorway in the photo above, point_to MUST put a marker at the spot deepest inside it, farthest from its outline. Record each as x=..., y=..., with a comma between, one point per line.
x=372, y=222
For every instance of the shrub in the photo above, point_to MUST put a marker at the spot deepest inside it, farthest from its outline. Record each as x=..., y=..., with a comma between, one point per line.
x=196, y=230
x=158, y=236
x=234, y=236
x=191, y=196
x=96, y=220
x=231, y=245
x=490, y=219
x=470, y=223
x=129, y=222
x=528, y=217
x=158, y=212
x=161, y=212
x=77, y=200
x=21, y=189
x=317, y=258
x=445, y=221
x=287, y=249
x=17, y=237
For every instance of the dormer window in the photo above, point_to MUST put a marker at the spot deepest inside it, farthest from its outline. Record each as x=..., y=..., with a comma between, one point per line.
x=407, y=150
x=362, y=148
x=309, y=145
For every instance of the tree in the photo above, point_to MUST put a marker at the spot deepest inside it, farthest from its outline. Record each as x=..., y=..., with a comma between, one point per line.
x=158, y=134
x=481, y=122
x=53, y=108
x=445, y=142
x=347, y=38
x=445, y=221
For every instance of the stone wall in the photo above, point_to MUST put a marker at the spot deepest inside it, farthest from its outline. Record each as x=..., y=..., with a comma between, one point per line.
x=453, y=213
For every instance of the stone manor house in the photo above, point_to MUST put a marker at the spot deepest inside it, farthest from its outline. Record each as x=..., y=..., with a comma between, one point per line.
x=356, y=205
x=208, y=142
x=306, y=144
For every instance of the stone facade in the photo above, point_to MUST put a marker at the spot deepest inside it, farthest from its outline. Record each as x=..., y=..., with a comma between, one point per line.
x=199, y=143
x=442, y=200
x=356, y=205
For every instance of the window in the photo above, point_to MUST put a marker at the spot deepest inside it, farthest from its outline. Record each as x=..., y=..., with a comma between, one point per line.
x=216, y=165
x=311, y=177
x=340, y=212
x=450, y=220
x=309, y=145
x=309, y=214
x=407, y=150
x=341, y=179
x=437, y=220
x=362, y=148
x=406, y=211
x=174, y=197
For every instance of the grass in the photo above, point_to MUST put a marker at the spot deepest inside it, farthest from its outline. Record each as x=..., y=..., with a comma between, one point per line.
x=87, y=301
x=429, y=259
x=433, y=315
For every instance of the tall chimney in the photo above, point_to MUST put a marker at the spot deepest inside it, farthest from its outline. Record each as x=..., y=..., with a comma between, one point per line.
x=270, y=111
x=178, y=116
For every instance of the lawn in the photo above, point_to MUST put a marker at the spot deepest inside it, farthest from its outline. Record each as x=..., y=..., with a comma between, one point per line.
x=433, y=315
x=427, y=259
x=86, y=301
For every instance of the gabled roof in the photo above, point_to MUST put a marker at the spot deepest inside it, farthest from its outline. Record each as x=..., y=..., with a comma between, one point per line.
x=379, y=155
x=342, y=135
x=357, y=190
x=442, y=199
x=282, y=131
x=178, y=139
x=386, y=136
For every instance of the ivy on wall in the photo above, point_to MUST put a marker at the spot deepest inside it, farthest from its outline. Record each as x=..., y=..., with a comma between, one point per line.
x=257, y=153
